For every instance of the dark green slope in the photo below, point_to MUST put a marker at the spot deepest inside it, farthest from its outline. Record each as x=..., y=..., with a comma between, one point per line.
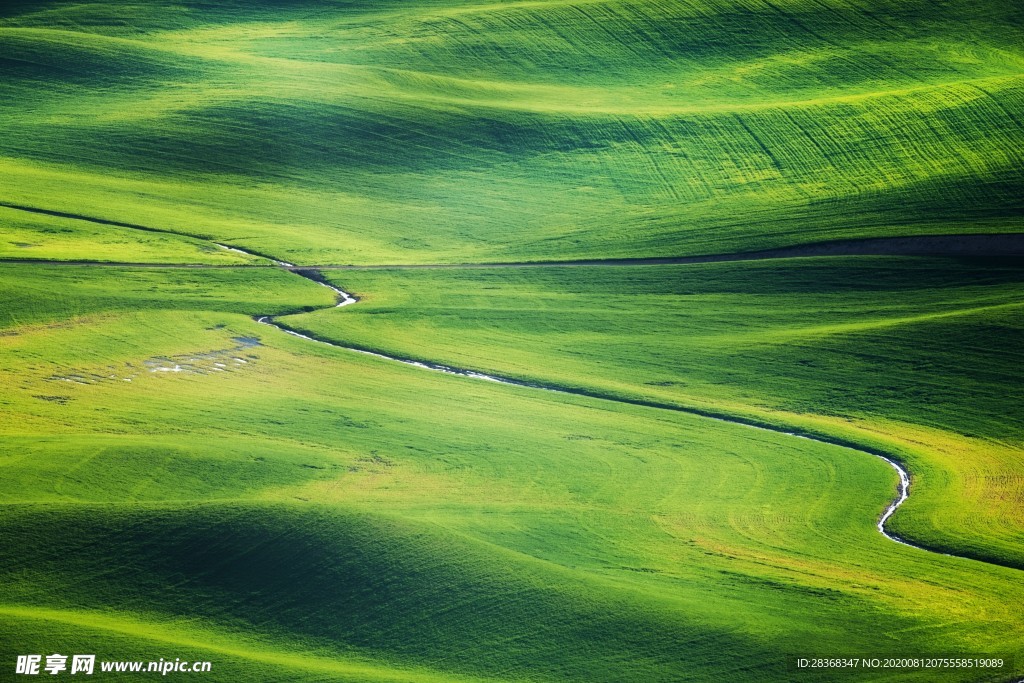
x=373, y=588
x=180, y=480
x=523, y=130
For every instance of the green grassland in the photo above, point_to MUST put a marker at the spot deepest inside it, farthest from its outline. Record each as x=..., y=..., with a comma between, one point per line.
x=315, y=513
x=898, y=353
x=33, y=236
x=179, y=480
x=425, y=131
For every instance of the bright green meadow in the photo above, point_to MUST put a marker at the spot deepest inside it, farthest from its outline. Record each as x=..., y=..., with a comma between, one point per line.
x=180, y=480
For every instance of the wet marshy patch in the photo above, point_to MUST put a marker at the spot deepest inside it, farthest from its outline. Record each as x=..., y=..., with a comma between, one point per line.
x=221, y=360
x=231, y=359
x=247, y=342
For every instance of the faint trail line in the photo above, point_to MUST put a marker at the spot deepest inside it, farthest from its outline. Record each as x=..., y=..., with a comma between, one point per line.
x=1004, y=245
x=91, y=219
x=987, y=244
x=119, y=224
x=974, y=244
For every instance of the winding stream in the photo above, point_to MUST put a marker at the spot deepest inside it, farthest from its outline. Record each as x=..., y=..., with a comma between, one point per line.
x=930, y=245
x=346, y=299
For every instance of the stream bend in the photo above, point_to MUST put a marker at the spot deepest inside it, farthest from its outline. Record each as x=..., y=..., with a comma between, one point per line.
x=346, y=299
x=931, y=245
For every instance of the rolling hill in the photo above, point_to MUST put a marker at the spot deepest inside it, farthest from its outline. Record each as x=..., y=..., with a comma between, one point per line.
x=181, y=478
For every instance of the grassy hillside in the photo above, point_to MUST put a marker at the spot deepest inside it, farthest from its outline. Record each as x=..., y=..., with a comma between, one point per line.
x=35, y=236
x=427, y=131
x=180, y=480
x=920, y=357
x=316, y=501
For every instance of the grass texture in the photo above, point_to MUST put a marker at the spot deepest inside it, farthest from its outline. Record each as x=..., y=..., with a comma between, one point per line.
x=424, y=131
x=179, y=480
x=311, y=505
